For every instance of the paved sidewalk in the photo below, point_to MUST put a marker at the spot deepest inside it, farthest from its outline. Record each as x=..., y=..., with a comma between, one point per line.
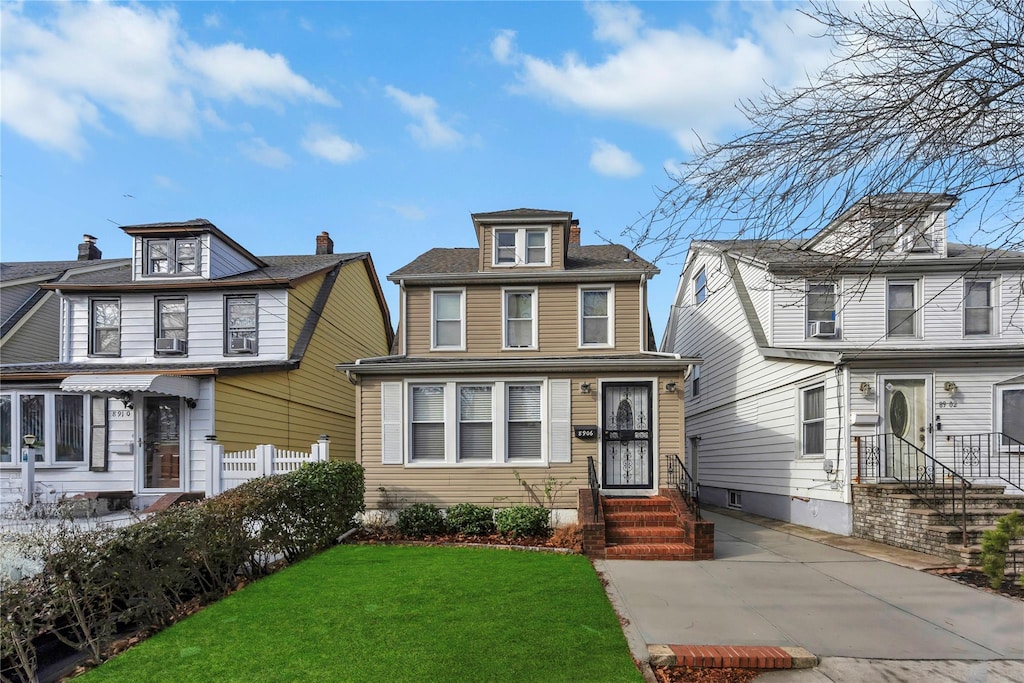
x=768, y=586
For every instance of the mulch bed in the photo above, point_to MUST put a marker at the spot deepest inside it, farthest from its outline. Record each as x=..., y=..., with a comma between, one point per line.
x=977, y=579
x=685, y=674
x=392, y=535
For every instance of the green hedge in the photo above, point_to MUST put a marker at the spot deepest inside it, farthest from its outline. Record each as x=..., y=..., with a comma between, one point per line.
x=98, y=583
x=523, y=520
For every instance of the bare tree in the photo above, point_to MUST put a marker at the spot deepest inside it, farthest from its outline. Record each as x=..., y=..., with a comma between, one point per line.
x=921, y=98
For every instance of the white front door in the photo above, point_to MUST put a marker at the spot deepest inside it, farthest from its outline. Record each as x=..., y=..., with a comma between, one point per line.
x=907, y=416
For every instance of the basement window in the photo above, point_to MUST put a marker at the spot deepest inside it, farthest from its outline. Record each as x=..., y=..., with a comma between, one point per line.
x=735, y=500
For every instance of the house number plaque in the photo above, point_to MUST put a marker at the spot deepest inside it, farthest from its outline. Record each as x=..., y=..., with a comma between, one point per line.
x=584, y=431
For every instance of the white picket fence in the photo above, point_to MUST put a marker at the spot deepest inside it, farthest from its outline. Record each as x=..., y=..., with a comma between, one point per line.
x=228, y=470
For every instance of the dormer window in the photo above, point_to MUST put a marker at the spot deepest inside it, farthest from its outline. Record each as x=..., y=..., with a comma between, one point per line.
x=171, y=256
x=910, y=234
x=522, y=246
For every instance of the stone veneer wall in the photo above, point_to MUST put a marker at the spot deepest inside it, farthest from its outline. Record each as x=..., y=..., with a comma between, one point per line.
x=881, y=514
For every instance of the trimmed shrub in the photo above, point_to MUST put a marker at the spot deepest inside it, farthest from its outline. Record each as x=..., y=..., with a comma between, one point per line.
x=995, y=543
x=466, y=518
x=522, y=521
x=420, y=519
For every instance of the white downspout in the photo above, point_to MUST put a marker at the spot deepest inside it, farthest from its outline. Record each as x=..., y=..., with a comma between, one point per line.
x=404, y=319
x=643, y=314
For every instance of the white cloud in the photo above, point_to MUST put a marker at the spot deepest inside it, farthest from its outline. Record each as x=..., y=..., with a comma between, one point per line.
x=84, y=64
x=211, y=20
x=429, y=132
x=609, y=160
x=503, y=47
x=259, y=151
x=679, y=80
x=408, y=212
x=321, y=142
x=164, y=182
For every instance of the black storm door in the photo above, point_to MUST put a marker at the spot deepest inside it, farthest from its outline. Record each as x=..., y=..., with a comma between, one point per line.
x=627, y=423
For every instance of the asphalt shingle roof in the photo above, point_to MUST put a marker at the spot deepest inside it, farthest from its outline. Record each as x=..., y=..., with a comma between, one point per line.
x=17, y=270
x=591, y=258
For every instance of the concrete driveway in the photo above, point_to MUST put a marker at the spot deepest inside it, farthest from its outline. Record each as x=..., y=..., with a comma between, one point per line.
x=770, y=587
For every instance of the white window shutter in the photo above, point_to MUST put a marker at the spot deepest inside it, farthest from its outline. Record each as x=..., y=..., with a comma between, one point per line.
x=560, y=419
x=391, y=423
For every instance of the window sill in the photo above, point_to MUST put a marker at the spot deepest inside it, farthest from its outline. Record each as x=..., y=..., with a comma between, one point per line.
x=43, y=466
x=475, y=465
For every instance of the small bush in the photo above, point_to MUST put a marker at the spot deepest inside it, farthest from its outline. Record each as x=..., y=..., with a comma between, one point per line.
x=522, y=520
x=420, y=519
x=474, y=520
x=995, y=543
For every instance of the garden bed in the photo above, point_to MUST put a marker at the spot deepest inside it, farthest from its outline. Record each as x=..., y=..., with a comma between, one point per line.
x=975, y=578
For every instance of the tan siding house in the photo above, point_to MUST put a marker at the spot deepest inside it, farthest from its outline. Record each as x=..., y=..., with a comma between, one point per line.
x=520, y=363
x=158, y=357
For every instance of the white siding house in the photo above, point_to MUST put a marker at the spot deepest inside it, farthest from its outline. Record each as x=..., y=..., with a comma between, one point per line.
x=876, y=326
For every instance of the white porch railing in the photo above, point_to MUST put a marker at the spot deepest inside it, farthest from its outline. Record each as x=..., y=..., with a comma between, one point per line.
x=228, y=470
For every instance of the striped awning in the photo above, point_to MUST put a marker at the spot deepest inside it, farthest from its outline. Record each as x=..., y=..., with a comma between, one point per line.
x=169, y=385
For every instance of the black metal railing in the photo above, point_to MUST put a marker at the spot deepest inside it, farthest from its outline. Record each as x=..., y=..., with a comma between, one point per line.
x=992, y=455
x=679, y=477
x=595, y=487
x=889, y=457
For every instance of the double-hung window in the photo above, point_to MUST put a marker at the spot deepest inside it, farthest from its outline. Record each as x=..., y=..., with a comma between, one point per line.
x=171, y=325
x=821, y=308
x=56, y=420
x=171, y=256
x=524, y=423
x=596, y=319
x=428, y=432
x=105, y=327
x=978, y=307
x=695, y=387
x=901, y=316
x=448, y=320
x=700, y=287
x=241, y=324
x=476, y=423
x=812, y=420
x=520, y=318
x=522, y=246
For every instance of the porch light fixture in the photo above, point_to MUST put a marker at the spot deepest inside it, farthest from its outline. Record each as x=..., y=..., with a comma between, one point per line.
x=950, y=387
x=30, y=440
x=671, y=387
x=125, y=397
x=190, y=402
x=585, y=387
x=865, y=389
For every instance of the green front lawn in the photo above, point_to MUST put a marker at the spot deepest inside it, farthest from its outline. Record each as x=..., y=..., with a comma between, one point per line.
x=396, y=613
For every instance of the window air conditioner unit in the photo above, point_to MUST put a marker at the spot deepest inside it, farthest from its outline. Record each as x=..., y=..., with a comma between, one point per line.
x=170, y=345
x=823, y=328
x=915, y=243
x=241, y=344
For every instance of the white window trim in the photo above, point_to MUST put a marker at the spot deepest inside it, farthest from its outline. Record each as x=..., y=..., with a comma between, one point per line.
x=695, y=383
x=505, y=291
x=499, y=421
x=610, y=344
x=433, y=321
x=918, y=316
x=172, y=257
x=521, y=252
x=801, y=421
x=993, y=292
x=807, y=306
x=997, y=412
x=92, y=301
x=697, y=301
x=49, y=437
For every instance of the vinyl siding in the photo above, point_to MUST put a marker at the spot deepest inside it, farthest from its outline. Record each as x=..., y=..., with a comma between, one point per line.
x=487, y=247
x=497, y=485
x=224, y=260
x=205, y=328
x=35, y=339
x=558, y=321
x=291, y=409
x=861, y=319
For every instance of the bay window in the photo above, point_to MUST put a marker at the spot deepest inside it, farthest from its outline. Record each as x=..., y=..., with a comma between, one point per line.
x=58, y=421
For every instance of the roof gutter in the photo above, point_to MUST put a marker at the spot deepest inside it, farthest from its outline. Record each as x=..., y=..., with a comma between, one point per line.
x=656, y=362
x=537, y=276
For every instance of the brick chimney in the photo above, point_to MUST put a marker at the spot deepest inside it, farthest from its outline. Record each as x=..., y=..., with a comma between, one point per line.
x=324, y=243
x=87, y=250
x=574, y=233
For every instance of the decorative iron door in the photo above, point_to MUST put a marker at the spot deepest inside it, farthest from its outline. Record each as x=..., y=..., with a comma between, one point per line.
x=627, y=421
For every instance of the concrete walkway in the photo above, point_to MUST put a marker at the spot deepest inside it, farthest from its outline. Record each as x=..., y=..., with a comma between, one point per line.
x=768, y=586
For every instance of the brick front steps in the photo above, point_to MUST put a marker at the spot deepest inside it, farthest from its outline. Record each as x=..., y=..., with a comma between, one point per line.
x=731, y=656
x=644, y=528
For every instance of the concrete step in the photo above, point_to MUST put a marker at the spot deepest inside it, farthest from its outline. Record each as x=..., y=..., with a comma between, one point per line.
x=970, y=555
x=974, y=517
x=650, y=551
x=982, y=501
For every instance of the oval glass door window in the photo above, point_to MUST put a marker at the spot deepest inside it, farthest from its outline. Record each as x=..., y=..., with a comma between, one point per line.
x=898, y=413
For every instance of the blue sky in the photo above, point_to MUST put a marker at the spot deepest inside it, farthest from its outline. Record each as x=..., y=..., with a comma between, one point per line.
x=385, y=124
